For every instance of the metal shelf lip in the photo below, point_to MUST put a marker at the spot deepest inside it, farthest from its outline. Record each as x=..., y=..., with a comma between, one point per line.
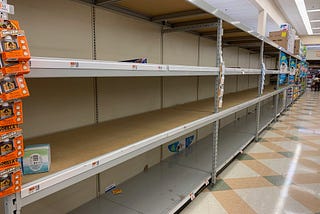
x=55, y=182
x=193, y=68
x=239, y=71
x=42, y=67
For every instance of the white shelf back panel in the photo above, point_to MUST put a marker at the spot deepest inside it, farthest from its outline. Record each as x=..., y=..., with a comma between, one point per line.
x=120, y=38
x=180, y=49
x=56, y=28
x=120, y=97
x=58, y=104
x=179, y=90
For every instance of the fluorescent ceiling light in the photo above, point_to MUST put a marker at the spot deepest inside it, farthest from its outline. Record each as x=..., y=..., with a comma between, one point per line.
x=316, y=20
x=304, y=15
x=313, y=10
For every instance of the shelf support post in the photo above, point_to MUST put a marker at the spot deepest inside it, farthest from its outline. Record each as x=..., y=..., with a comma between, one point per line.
x=276, y=101
x=260, y=90
x=216, y=102
x=12, y=204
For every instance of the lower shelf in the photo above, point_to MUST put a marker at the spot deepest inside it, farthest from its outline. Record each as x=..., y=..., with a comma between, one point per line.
x=165, y=187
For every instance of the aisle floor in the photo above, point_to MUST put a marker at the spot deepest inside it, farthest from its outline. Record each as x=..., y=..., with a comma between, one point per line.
x=278, y=174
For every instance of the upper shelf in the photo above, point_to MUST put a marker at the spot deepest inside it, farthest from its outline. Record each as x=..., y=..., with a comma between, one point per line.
x=193, y=16
x=61, y=67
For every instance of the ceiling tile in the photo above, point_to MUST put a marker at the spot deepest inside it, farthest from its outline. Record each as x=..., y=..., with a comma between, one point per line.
x=312, y=4
x=314, y=15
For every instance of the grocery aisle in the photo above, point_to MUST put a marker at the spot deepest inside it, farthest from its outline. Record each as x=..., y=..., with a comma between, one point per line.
x=278, y=174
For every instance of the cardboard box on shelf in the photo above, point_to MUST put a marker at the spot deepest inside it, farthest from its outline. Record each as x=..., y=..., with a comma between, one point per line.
x=278, y=35
x=297, y=46
x=36, y=159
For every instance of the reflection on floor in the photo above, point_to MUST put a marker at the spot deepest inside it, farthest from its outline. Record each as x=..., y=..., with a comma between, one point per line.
x=279, y=174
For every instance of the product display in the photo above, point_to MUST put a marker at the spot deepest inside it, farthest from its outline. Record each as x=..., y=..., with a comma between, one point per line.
x=10, y=181
x=13, y=65
x=178, y=146
x=13, y=87
x=14, y=46
x=36, y=159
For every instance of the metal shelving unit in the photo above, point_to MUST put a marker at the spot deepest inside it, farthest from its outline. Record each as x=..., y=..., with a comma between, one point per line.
x=164, y=187
x=167, y=186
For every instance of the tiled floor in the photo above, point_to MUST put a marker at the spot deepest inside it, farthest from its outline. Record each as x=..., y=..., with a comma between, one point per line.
x=279, y=174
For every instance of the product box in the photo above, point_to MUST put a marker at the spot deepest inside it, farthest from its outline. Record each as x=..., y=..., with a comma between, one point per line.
x=10, y=181
x=14, y=46
x=11, y=148
x=11, y=113
x=13, y=87
x=36, y=159
x=13, y=68
x=9, y=25
x=279, y=35
x=297, y=44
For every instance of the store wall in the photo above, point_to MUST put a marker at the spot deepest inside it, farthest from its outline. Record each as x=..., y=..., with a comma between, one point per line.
x=62, y=29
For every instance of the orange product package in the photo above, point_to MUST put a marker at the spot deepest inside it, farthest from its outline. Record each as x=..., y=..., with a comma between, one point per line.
x=13, y=87
x=10, y=181
x=9, y=25
x=11, y=113
x=14, y=46
x=13, y=68
x=11, y=145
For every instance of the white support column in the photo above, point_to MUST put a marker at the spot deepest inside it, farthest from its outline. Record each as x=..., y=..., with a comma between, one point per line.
x=262, y=22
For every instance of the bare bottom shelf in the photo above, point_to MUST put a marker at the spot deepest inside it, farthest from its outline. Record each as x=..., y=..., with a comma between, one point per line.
x=167, y=186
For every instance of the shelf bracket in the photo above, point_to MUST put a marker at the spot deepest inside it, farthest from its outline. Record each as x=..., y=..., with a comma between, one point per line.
x=219, y=63
x=12, y=204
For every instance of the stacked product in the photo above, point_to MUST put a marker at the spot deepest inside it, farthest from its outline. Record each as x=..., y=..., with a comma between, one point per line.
x=14, y=64
x=285, y=37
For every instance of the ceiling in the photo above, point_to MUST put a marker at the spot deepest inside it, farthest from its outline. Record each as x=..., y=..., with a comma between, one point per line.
x=313, y=9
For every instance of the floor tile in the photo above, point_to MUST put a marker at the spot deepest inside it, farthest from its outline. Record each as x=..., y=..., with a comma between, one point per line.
x=306, y=178
x=270, y=155
x=274, y=146
x=305, y=198
x=220, y=186
x=292, y=146
x=205, y=203
x=313, y=189
x=260, y=168
x=276, y=180
x=287, y=154
x=310, y=164
x=244, y=156
x=244, y=183
x=237, y=170
x=232, y=203
x=285, y=165
x=315, y=159
x=269, y=200
x=257, y=148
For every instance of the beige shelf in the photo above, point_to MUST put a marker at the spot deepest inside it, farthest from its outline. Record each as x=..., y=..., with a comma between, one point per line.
x=76, y=146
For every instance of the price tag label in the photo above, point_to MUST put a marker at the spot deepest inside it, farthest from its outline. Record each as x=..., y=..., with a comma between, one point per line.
x=192, y=196
x=34, y=189
x=95, y=164
x=74, y=64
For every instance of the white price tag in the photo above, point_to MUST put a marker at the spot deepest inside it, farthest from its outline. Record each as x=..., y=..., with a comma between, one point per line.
x=207, y=182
